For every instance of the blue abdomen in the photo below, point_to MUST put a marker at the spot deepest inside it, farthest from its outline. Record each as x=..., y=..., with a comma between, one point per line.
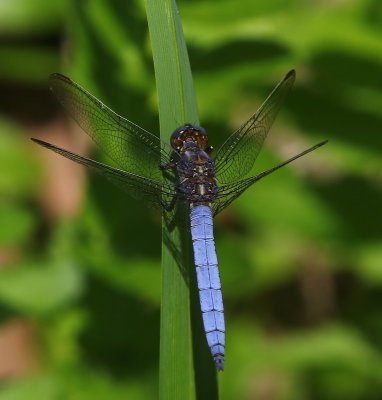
x=208, y=279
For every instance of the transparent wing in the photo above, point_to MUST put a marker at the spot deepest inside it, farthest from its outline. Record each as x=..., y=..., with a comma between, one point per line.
x=154, y=193
x=131, y=147
x=236, y=156
x=228, y=193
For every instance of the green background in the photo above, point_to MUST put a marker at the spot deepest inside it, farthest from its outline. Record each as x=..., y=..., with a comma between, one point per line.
x=300, y=252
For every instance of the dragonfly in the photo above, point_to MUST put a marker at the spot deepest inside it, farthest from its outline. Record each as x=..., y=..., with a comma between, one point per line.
x=165, y=175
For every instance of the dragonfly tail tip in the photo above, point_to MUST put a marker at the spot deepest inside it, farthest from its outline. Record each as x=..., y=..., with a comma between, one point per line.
x=219, y=361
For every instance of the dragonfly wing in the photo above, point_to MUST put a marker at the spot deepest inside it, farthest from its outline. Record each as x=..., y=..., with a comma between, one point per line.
x=131, y=147
x=236, y=156
x=153, y=192
x=228, y=193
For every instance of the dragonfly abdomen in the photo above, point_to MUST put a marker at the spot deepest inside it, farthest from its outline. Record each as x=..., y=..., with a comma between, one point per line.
x=207, y=272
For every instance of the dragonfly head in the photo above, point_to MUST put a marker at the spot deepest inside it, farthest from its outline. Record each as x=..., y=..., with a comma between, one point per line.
x=189, y=136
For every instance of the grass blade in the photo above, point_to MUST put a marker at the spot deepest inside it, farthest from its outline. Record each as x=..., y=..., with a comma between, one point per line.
x=177, y=105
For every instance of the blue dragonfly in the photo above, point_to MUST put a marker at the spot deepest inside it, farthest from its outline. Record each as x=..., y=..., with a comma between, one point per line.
x=183, y=171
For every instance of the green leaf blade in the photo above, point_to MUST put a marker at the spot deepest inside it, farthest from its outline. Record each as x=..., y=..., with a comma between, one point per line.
x=179, y=372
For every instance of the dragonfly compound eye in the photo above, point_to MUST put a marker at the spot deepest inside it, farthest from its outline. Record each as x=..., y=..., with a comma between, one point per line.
x=176, y=137
x=189, y=133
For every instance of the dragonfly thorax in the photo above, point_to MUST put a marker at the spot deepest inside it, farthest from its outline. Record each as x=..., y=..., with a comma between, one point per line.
x=196, y=174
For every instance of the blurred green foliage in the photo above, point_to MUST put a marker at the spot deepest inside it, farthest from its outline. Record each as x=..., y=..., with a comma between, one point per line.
x=300, y=253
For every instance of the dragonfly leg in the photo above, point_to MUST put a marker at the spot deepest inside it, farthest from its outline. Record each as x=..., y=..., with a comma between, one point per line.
x=167, y=170
x=170, y=165
x=171, y=204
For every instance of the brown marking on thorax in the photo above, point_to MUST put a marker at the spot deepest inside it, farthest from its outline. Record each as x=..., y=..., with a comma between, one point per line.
x=197, y=175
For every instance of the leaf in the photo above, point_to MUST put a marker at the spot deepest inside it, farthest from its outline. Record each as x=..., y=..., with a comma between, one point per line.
x=177, y=105
x=39, y=387
x=40, y=289
x=17, y=223
x=15, y=157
